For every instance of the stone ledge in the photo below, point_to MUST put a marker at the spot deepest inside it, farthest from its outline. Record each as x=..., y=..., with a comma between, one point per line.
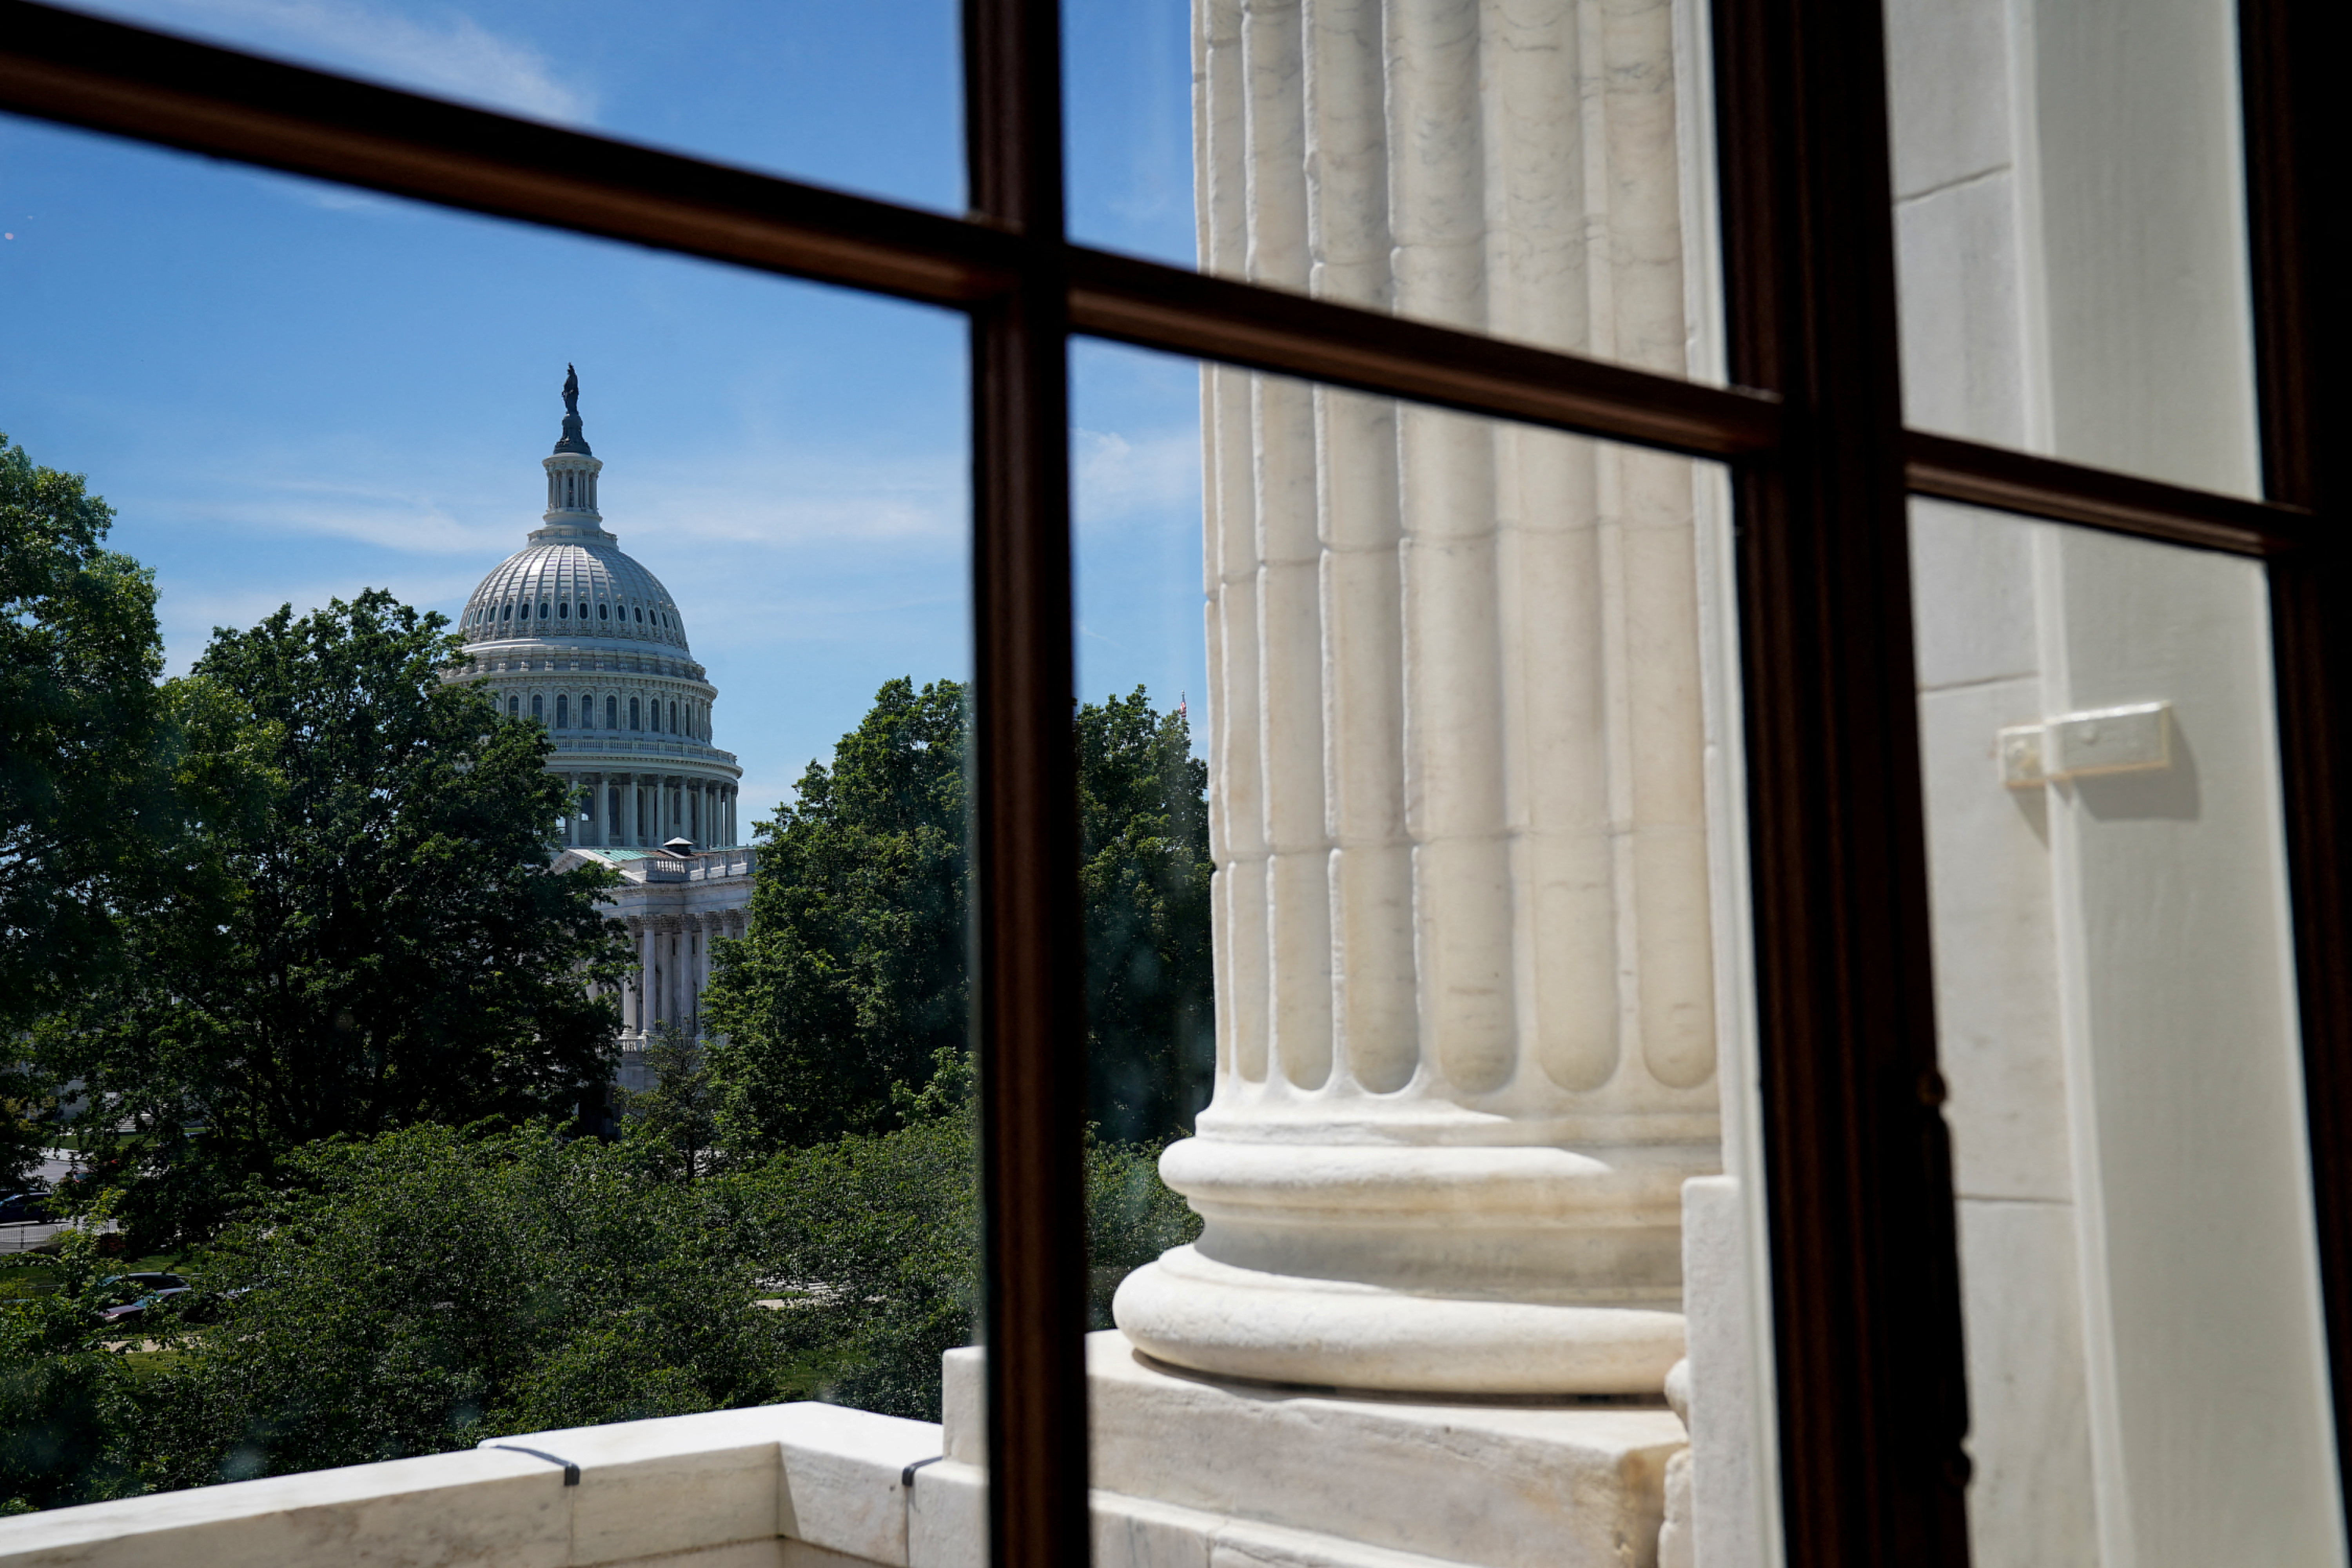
x=1535, y=1484
x=788, y=1486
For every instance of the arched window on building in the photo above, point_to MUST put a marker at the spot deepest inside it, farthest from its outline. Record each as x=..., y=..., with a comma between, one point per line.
x=604, y=611
x=611, y=712
x=514, y=706
x=563, y=611
x=635, y=723
x=537, y=706
x=673, y=718
x=562, y=712
x=506, y=612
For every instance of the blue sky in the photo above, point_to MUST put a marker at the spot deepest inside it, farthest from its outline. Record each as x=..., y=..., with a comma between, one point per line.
x=292, y=391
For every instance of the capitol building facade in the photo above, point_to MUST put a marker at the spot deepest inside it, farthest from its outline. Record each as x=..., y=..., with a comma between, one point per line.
x=574, y=633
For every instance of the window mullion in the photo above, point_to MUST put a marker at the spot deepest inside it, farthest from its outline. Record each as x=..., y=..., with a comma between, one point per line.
x=1870, y=1390
x=1028, y=1006
x=2295, y=201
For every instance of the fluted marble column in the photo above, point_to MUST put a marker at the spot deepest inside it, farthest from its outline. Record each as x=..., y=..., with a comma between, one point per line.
x=648, y=965
x=1464, y=980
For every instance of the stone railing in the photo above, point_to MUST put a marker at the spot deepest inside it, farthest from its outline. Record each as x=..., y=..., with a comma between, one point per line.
x=788, y=1484
x=1189, y=1470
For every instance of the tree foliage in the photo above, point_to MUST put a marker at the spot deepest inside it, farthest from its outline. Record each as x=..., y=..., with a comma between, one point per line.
x=88, y=817
x=378, y=941
x=425, y=1290
x=69, y=1411
x=849, y=990
x=431, y=1288
x=1144, y=871
x=676, y=1120
x=846, y=1009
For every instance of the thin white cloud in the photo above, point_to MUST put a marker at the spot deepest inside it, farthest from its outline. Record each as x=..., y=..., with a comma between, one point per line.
x=412, y=524
x=796, y=499
x=440, y=50
x=1119, y=477
x=792, y=500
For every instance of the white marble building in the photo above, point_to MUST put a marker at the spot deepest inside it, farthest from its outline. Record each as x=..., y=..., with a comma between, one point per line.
x=574, y=633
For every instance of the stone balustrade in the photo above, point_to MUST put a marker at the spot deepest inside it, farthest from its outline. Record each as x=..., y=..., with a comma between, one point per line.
x=1191, y=1473
x=803, y=1485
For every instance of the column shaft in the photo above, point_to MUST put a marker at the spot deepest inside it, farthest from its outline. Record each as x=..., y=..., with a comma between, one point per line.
x=1455, y=732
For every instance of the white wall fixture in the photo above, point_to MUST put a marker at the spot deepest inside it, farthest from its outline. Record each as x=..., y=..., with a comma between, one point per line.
x=2137, y=738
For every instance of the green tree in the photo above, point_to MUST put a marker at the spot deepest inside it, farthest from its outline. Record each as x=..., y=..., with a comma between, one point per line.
x=676, y=1119
x=1144, y=875
x=88, y=818
x=848, y=991
x=426, y=1289
x=845, y=1009
x=423, y=1290
x=68, y=1408
x=879, y=1240
x=381, y=941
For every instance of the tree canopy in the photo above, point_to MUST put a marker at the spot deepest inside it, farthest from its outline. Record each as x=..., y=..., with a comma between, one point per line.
x=847, y=993
x=846, y=1007
x=87, y=815
x=380, y=940
x=423, y=1290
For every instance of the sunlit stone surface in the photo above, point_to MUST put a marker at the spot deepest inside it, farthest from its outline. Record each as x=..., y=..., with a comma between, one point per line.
x=1465, y=976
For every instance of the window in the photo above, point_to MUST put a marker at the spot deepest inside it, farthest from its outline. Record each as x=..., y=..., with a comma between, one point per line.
x=1865, y=1273
x=611, y=714
x=514, y=706
x=562, y=711
x=635, y=723
x=604, y=611
x=537, y=708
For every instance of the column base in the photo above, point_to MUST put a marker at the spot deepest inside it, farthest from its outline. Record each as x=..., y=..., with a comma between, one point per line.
x=1192, y=1311
x=1193, y=1470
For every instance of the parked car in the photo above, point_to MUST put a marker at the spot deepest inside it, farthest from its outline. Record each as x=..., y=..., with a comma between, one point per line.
x=143, y=1290
x=26, y=1208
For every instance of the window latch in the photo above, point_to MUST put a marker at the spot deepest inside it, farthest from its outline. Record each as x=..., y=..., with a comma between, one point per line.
x=2128, y=740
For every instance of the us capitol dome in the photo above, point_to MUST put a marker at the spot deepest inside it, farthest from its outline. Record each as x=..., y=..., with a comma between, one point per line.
x=573, y=633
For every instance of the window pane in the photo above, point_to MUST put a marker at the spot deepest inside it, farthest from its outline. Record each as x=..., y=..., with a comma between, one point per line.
x=2069, y=212
x=2149, y=1380
x=445, y=1158
x=1542, y=173
x=865, y=97
x=1438, y=783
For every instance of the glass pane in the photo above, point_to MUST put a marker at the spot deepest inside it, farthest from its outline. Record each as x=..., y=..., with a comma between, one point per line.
x=1415, y=917
x=1542, y=173
x=2070, y=214
x=2147, y=1374
x=862, y=97
x=507, y=1053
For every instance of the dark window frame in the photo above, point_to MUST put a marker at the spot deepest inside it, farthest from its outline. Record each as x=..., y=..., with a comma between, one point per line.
x=1871, y=1392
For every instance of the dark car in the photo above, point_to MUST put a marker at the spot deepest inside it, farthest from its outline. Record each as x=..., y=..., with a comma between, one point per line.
x=26, y=1208
x=143, y=1291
